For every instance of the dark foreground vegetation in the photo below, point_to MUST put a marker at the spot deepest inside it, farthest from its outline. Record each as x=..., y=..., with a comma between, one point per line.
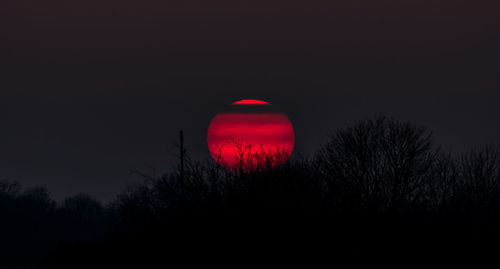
x=377, y=192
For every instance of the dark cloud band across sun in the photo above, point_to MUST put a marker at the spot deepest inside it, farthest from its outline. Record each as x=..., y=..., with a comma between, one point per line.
x=231, y=134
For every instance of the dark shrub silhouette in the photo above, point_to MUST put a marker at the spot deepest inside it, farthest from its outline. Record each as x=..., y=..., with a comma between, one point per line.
x=33, y=226
x=378, y=163
x=379, y=190
x=480, y=177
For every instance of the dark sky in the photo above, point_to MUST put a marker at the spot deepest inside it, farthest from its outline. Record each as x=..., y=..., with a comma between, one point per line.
x=92, y=89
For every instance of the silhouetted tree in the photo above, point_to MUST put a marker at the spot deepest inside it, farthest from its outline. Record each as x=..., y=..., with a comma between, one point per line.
x=379, y=188
x=480, y=176
x=378, y=163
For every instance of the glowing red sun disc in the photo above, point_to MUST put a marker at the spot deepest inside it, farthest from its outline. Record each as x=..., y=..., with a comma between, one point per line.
x=250, y=139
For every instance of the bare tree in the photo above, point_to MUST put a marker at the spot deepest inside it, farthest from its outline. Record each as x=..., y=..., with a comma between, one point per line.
x=479, y=182
x=382, y=163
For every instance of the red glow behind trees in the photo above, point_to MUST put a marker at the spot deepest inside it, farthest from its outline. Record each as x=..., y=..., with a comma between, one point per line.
x=248, y=140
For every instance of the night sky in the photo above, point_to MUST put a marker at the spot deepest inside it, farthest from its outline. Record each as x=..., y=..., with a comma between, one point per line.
x=90, y=90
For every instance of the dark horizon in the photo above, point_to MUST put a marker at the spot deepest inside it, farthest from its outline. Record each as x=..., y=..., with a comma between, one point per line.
x=380, y=191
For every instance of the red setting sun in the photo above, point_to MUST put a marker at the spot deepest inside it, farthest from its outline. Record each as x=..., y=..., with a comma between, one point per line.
x=252, y=138
x=251, y=102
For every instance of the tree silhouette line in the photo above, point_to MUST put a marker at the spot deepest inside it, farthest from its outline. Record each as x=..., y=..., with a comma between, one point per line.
x=379, y=190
